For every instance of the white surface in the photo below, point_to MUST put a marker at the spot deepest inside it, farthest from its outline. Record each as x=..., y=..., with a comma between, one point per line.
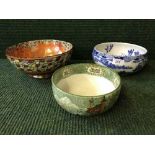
x=70, y=9
x=86, y=85
x=67, y=145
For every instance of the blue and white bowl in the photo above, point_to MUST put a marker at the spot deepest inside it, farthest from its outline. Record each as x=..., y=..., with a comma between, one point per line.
x=121, y=57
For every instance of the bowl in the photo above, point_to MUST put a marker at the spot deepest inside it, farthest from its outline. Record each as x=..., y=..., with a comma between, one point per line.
x=39, y=58
x=85, y=88
x=121, y=57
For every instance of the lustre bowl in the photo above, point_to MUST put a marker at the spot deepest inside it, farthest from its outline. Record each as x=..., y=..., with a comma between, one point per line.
x=85, y=88
x=39, y=58
x=121, y=57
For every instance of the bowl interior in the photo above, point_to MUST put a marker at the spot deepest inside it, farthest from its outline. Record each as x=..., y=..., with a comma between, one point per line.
x=86, y=80
x=120, y=49
x=38, y=49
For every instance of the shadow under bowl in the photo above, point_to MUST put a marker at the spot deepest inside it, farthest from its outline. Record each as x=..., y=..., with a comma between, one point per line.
x=39, y=58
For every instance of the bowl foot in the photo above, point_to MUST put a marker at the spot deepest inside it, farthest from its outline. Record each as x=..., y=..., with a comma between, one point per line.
x=44, y=76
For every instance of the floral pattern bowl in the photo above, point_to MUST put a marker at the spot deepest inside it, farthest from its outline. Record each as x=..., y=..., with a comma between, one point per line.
x=121, y=57
x=84, y=104
x=39, y=58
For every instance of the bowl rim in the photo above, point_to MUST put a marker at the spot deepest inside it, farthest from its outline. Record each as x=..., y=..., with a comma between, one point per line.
x=38, y=58
x=124, y=43
x=96, y=96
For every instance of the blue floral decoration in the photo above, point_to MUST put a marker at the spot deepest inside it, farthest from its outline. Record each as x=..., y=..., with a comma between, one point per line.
x=127, y=58
x=133, y=56
x=136, y=53
x=109, y=48
x=106, y=60
x=130, y=52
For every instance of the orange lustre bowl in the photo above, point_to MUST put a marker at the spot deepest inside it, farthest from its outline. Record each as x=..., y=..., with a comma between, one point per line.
x=39, y=58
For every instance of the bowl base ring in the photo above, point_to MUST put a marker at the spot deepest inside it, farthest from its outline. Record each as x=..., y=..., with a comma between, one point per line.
x=43, y=76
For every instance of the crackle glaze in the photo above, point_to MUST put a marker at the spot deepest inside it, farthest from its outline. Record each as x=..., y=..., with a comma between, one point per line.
x=85, y=105
x=121, y=57
x=39, y=58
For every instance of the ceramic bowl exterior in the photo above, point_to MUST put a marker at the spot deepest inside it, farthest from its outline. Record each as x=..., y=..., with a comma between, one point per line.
x=85, y=105
x=121, y=57
x=39, y=63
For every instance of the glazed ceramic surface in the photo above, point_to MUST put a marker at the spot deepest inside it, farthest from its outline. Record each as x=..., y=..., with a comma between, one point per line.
x=83, y=104
x=39, y=58
x=122, y=57
x=88, y=85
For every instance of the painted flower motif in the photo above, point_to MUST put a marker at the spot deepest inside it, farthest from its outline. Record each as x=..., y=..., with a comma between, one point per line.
x=95, y=70
x=127, y=58
x=25, y=63
x=66, y=72
x=109, y=48
x=130, y=52
x=136, y=53
x=16, y=61
x=96, y=109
